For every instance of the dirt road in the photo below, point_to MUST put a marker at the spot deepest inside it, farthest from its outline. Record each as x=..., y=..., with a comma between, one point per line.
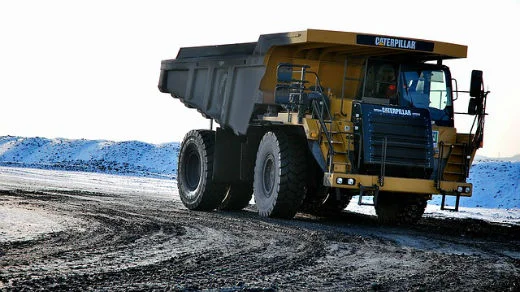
x=86, y=232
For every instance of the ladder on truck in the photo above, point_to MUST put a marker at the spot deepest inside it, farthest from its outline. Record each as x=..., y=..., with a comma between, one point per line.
x=455, y=168
x=293, y=94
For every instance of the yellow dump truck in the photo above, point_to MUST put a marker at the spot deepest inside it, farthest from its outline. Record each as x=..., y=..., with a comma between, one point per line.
x=309, y=119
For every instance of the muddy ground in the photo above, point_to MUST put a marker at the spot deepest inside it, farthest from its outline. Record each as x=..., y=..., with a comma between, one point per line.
x=84, y=240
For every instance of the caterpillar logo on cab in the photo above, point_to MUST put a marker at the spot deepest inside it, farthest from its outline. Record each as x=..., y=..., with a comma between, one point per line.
x=397, y=111
x=395, y=43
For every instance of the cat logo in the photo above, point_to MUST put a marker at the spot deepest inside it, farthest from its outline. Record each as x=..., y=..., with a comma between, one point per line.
x=395, y=111
x=395, y=43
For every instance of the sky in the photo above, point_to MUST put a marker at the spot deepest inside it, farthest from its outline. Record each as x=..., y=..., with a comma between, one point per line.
x=89, y=69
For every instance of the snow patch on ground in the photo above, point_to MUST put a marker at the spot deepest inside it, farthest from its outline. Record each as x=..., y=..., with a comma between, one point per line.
x=18, y=222
x=506, y=216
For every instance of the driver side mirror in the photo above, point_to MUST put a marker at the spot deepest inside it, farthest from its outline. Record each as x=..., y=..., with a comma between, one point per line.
x=475, y=89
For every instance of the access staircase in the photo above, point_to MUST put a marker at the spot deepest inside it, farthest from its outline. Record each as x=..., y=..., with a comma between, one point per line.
x=338, y=149
x=456, y=168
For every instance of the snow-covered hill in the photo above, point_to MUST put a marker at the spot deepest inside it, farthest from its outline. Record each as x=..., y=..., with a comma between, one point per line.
x=496, y=182
x=129, y=158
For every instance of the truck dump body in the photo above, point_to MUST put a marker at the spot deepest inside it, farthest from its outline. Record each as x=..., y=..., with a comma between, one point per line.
x=221, y=82
x=225, y=82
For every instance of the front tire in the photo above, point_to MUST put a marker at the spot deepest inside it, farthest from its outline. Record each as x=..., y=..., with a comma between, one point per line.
x=237, y=197
x=327, y=201
x=336, y=201
x=399, y=208
x=280, y=173
x=195, y=172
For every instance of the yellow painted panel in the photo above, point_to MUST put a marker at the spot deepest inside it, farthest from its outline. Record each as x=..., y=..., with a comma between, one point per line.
x=312, y=129
x=394, y=184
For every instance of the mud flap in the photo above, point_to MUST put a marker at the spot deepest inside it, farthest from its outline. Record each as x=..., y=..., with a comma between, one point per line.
x=235, y=155
x=226, y=166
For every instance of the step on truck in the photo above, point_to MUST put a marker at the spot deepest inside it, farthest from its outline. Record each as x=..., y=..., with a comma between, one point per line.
x=309, y=119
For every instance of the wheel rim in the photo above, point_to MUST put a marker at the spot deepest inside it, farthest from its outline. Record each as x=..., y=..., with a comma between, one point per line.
x=192, y=167
x=268, y=175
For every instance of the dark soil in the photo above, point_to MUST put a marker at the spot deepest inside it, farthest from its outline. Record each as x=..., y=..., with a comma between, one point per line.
x=138, y=243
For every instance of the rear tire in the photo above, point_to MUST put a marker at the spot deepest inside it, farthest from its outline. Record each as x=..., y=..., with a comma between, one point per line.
x=237, y=197
x=195, y=172
x=399, y=208
x=280, y=173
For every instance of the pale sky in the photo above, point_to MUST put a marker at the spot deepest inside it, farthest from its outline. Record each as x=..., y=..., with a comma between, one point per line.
x=89, y=69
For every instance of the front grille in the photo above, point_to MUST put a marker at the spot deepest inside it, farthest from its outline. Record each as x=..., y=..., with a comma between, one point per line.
x=408, y=136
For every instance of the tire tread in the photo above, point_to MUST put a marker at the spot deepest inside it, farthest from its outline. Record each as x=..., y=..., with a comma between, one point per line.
x=212, y=193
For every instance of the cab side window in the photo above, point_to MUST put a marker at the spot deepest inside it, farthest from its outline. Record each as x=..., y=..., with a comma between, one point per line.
x=380, y=81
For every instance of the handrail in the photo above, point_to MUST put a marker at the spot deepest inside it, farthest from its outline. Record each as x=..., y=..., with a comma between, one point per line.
x=343, y=88
x=440, y=165
x=330, y=153
x=325, y=106
x=316, y=108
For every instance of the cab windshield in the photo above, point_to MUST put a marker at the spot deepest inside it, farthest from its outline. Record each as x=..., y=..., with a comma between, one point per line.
x=429, y=89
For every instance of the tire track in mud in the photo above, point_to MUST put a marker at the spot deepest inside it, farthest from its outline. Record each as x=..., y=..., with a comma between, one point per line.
x=112, y=240
x=123, y=242
x=104, y=239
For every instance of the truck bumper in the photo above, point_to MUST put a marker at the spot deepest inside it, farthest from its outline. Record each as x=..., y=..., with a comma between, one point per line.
x=398, y=184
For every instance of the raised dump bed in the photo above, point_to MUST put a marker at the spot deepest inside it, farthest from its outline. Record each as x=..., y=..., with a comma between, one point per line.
x=225, y=82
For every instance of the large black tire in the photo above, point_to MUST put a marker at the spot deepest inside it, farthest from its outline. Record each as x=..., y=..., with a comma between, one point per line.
x=336, y=201
x=328, y=202
x=195, y=172
x=280, y=173
x=237, y=197
x=399, y=208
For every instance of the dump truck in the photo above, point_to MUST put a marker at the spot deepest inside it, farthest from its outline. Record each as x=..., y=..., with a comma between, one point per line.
x=309, y=119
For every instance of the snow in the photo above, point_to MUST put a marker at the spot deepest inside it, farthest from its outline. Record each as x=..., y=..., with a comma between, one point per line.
x=44, y=180
x=127, y=158
x=24, y=222
x=506, y=216
x=496, y=182
x=18, y=223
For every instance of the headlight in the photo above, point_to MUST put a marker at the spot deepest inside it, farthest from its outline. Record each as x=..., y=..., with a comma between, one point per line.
x=348, y=181
x=467, y=190
x=460, y=189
